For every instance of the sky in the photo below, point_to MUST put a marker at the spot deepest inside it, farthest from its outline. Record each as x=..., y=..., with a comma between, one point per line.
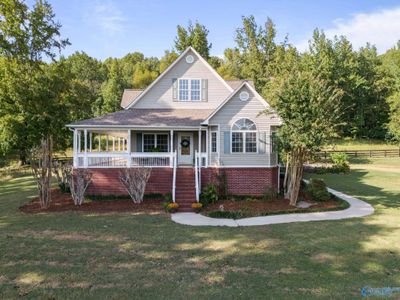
x=113, y=28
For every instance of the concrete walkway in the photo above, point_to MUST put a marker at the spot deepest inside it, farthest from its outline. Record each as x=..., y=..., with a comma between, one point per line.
x=357, y=209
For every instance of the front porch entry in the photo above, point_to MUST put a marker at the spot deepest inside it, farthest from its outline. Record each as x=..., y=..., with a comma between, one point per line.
x=185, y=149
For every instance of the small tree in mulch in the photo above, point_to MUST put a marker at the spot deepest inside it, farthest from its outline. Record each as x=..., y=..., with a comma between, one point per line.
x=134, y=180
x=78, y=181
x=40, y=160
x=62, y=171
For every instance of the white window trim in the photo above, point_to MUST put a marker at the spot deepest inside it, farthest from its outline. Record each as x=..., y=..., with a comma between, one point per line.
x=189, y=90
x=244, y=141
x=216, y=141
x=244, y=137
x=155, y=140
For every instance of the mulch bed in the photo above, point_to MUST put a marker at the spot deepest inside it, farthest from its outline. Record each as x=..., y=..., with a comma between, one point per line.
x=258, y=207
x=61, y=202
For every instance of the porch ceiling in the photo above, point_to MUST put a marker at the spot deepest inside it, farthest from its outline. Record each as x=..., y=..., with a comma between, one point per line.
x=148, y=118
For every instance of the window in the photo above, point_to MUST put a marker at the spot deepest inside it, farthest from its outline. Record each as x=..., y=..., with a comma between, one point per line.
x=195, y=89
x=183, y=89
x=213, y=142
x=244, y=136
x=189, y=89
x=155, y=142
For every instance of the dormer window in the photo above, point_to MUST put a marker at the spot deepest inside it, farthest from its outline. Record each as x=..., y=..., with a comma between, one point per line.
x=189, y=89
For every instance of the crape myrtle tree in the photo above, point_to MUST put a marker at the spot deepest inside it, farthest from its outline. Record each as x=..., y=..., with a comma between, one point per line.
x=310, y=109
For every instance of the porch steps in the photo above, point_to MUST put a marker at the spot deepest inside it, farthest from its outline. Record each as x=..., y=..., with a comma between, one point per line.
x=185, y=190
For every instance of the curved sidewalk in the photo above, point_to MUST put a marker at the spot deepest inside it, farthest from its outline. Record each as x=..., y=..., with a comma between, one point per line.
x=357, y=209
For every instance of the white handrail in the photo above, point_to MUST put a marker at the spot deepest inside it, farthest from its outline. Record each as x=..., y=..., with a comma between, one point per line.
x=196, y=157
x=174, y=176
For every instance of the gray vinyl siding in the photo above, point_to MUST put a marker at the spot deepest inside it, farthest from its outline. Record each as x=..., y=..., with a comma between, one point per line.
x=236, y=109
x=160, y=96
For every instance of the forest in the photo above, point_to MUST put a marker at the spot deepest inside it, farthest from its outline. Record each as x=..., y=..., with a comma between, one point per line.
x=41, y=90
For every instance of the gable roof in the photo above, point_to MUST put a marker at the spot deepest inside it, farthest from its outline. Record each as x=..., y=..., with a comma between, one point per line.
x=236, y=83
x=250, y=87
x=129, y=95
x=146, y=117
x=171, y=66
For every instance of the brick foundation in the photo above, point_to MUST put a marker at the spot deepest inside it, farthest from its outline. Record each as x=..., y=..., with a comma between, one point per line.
x=106, y=182
x=240, y=181
x=243, y=181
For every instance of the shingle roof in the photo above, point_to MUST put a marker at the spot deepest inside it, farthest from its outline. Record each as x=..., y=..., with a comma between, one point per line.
x=149, y=117
x=128, y=96
x=236, y=83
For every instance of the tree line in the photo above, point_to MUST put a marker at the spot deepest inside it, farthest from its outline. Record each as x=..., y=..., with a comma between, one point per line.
x=41, y=90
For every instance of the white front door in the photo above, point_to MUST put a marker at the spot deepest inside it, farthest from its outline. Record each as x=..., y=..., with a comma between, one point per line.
x=185, y=148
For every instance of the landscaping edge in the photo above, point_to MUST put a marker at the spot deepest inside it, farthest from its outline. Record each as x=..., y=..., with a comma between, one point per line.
x=357, y=209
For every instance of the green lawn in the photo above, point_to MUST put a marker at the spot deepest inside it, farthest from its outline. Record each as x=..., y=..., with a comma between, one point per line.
x=126, y=256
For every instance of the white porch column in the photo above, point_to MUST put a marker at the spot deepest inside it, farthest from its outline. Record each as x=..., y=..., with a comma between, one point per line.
x=85, y=159
x=119, y=144
x=207, y=145
x=113, y=144
x=75, y=146
x=171, y=146
x=107, y=142
x=79, y=142
x=90, y=141
x=200, y=159
x=129, y=149
x=99, y=142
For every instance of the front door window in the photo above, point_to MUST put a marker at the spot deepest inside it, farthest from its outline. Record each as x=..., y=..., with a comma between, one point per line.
x=185, y=147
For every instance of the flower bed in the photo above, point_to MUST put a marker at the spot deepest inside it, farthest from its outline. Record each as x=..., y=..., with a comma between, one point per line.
x=237, y=209
x=63, y=202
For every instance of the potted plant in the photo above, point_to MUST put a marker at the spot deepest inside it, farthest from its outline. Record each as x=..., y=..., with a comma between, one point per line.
x=172, y=207
x=197, y=206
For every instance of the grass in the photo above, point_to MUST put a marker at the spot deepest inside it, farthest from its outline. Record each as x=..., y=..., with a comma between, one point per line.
x=360, y=144
x=124, y=256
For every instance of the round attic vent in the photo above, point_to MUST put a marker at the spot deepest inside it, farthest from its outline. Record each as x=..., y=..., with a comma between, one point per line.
x=244, y=96
x=189, y=59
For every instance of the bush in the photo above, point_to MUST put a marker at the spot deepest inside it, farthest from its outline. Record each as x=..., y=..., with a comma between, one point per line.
x=172, y=207
x=270, y=193
x=316, y=190
x=197, y=206
x=340, y=162
x=228, y=214
x=209, y=194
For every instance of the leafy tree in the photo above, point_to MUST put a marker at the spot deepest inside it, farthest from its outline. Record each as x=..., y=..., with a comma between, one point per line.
x=113, y=88
x=231, y=67
x=26, y=108
x=391, y=64
x=195, y=36
x=146, y=72
x=168, y=58
x=86, y=75
x=310, y=108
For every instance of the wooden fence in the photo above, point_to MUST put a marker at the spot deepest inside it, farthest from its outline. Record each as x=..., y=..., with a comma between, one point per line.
x=362, y=153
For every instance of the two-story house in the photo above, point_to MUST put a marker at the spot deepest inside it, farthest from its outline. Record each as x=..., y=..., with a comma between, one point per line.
x=189, y=125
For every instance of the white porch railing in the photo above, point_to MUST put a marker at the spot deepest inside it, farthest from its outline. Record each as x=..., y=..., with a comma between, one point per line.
x=124, y=159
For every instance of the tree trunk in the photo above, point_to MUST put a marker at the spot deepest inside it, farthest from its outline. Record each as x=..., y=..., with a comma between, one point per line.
x=294, y=175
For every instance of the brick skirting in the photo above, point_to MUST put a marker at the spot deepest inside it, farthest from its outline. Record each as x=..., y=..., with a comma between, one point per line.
x=243, y=181
x=105, y=182
x=240, y=181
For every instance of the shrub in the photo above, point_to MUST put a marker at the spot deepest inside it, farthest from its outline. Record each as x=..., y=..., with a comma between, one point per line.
x=197, y=206
x=209, y=194
x=171, y=207
x=227, y=214
x=270, y=193
x=316, y=190
x=340, y=162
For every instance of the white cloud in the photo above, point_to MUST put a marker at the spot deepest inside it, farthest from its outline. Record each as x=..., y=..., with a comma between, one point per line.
x=108, y=17
x=380, y=28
